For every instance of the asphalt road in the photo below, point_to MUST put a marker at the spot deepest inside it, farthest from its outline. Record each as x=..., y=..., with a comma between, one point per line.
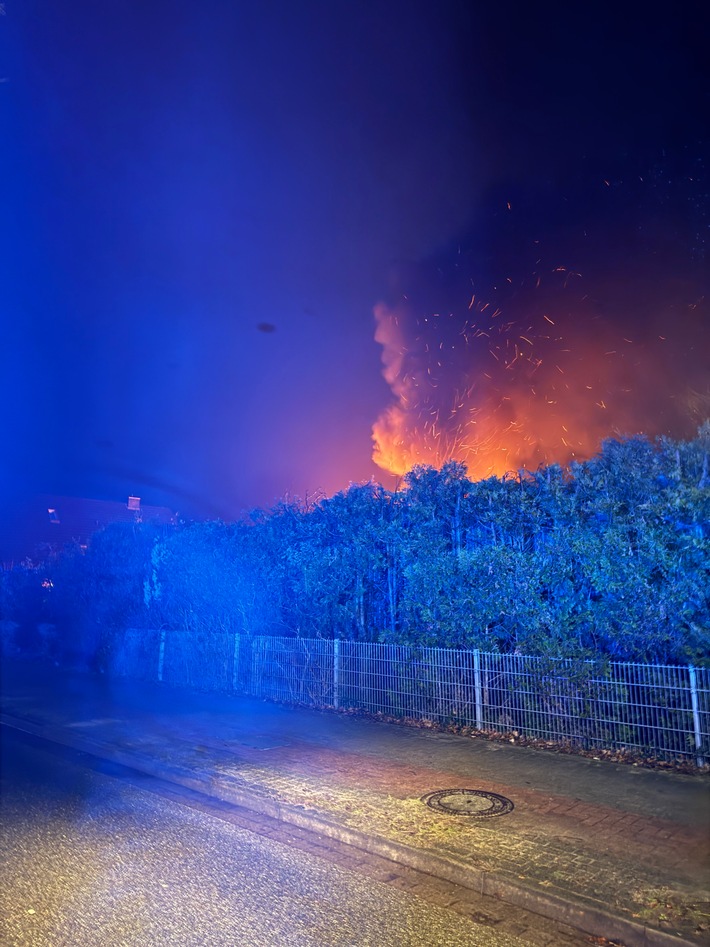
x=96, y=860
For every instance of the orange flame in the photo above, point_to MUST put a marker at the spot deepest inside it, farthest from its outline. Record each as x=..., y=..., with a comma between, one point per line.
x=502, y=389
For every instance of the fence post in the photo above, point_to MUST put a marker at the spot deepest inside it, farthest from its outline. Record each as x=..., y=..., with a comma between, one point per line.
x=235, y=662
x=161, y=655
x=477, y=688
x=257, y=666
x=700, y=759
x=336, y=673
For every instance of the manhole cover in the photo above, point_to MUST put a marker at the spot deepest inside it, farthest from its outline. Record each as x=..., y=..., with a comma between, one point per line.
x=470, y=802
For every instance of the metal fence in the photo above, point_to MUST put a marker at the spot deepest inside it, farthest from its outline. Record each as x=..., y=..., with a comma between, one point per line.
x=662, y=711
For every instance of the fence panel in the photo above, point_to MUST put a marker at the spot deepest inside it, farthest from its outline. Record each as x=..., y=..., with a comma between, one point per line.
x=397, y=680
x=637, y=707
x=293, y=669
x=198, y=659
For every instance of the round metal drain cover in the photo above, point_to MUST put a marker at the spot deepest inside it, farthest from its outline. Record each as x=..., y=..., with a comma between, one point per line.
x=470, y=802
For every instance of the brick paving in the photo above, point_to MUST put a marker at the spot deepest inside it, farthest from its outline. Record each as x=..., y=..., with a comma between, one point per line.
x=595, y=835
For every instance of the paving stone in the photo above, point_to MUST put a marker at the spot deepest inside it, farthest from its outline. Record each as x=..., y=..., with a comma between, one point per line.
x=602, y=833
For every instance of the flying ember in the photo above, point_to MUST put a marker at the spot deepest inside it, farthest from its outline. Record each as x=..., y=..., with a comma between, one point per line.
x=526, y=372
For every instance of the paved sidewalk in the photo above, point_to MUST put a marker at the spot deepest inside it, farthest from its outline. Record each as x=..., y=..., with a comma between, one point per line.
x=616, y=850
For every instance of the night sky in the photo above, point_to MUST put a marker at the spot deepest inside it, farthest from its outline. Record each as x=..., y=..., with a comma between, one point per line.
x=204, y=205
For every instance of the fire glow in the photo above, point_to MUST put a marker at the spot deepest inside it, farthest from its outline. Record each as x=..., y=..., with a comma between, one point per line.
x=514, y=379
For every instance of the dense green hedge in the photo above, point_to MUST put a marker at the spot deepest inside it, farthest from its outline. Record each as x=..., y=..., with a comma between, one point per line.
x=609, y=557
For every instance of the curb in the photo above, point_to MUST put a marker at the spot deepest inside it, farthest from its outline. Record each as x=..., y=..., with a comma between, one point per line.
x=579, y=913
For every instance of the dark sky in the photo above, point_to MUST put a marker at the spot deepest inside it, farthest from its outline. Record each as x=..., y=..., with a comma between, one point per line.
x=204, y=202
